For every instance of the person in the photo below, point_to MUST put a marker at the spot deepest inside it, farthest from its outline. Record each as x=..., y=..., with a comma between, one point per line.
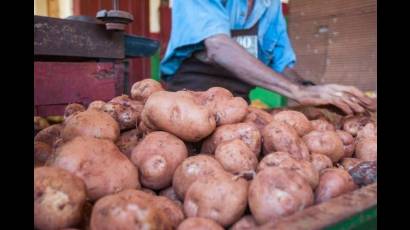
x=240, y=44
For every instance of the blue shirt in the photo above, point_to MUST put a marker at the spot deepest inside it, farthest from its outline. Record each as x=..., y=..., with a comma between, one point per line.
x=195, y=20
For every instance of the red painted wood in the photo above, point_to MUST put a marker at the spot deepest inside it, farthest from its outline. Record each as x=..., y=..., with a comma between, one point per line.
x=58, y=83
x=139, y=68
x=165, y=24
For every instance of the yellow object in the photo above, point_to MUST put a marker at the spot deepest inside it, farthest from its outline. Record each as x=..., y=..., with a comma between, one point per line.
x=55, y=119
x=371, y=94
x=259, y=104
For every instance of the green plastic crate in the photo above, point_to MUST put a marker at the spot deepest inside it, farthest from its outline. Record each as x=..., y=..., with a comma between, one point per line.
x=366, y=220
x=269, y=98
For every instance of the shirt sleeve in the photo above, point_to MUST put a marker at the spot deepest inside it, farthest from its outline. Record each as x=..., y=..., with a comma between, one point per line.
x=283, y=53
x=192, y=22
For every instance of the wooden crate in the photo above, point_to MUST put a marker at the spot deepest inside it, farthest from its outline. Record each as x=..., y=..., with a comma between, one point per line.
x=57, y=84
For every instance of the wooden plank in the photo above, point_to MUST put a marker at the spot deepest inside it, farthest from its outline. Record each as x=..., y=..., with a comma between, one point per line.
x=53, y=8
x=55, y=37
x=58, y=83
x=330, y=212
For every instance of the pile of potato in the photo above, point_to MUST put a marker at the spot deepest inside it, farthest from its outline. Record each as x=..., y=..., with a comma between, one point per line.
x=193, y=160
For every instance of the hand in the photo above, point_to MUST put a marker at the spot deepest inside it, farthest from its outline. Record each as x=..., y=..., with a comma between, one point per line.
x=347, y=98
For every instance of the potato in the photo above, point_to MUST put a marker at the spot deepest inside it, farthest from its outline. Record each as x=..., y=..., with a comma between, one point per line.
x=325, y=142
x=321, y=161
x=127, y=141
x=366, y=149
x=284, y=160
x=279, y=136
x=171, y=209
x=91, y=123
x=104, y=169
x=199, y=223
x=40, y=123
x=322, y=125
x=128, y=209
x=276, y=192
x=143, y=129
x=348, y=162
x=352, y=124
x=141, y=90
x=42, y=152
x=246, y=132
x=171, y=194
x=180, y=114
x=364, y=173
x=348, y=142
x=295, y=119
x=226, y=108
x=59, y=197
x=235, y=156
x=97, y=105
x=247, y=222
x=147, y=190
x=72, y=109
x=368, y=131
x=124, y=110
x=332, y=183
x=49, y=135
x=191, y=169
x=157, y=157
x=219, y=198
x=258, y=117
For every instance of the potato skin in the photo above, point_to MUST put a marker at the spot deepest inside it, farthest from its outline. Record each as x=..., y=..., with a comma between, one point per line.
x=157, y=157
x=325, y=142
x=349, y=163
x=42, y=152
x=368, y=131
x=59, y=197
x=332, y=183
x=352, y=124
x=199, y=223
x=247, y=222
x=366, y=149
x=124, y=110
x=322, y=125
x=321, y=161
x=104, y=169
x=191, y=169
x=178, y=113
x=279, y=136
x=348, y=142
x=295, y=119
x=172, y=210
x=127, y=141
x=276, y=192
x=247, y=132
x=49, y=135
x=128, y=209
x=40, y=123
x=235, y=156
x=97, y=105
x=170, y=194
x=219, y=198
x=226, y=108
x=141, y=90
x=91, y=123
x=72, y=109
x=258, y=117
x=284, y=160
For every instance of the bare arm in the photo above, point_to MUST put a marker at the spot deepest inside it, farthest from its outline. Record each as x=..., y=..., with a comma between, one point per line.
x=224, y=51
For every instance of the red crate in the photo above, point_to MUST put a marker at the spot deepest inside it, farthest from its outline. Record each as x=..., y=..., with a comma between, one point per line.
x=57, y=84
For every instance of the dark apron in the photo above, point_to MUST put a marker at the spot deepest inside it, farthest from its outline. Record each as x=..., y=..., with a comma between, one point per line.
x=194, y=74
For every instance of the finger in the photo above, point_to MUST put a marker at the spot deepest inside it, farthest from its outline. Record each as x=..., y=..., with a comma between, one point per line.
x=356, y=107
x=344, y=107
x=359, y=94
